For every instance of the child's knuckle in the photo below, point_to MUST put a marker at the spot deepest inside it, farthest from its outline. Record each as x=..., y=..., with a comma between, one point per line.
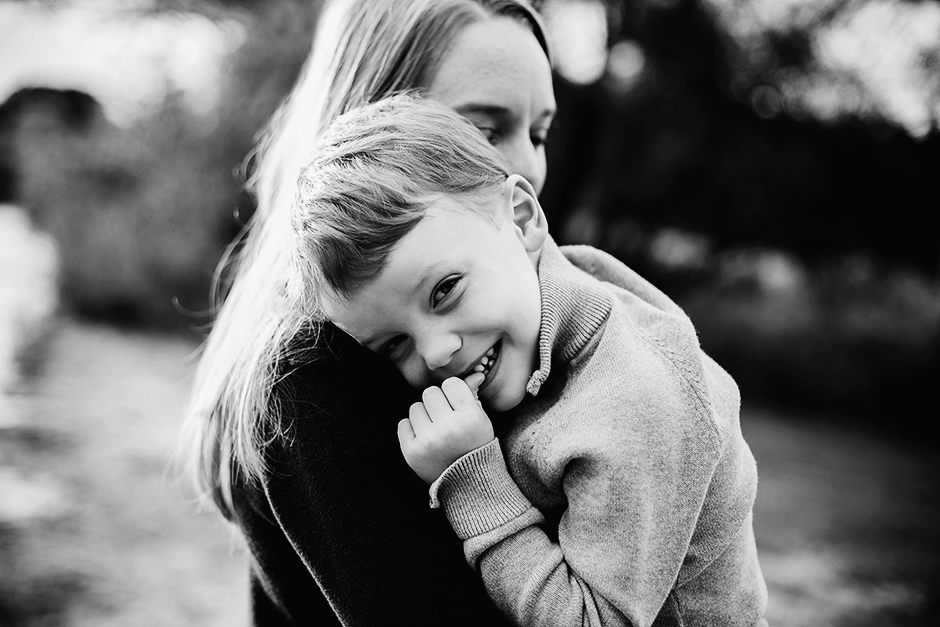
x=451, y=384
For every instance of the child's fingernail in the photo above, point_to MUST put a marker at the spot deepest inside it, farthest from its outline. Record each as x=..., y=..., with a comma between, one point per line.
x=474, y=381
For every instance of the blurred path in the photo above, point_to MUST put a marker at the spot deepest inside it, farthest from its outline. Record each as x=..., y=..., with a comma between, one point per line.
x=92, y=528
x=847, y=524
x=93, y=533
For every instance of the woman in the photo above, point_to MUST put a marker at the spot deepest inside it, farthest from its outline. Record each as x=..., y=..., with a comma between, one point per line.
x=295, y=426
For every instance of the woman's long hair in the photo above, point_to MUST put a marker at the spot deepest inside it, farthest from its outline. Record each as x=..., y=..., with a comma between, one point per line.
x=363, y=50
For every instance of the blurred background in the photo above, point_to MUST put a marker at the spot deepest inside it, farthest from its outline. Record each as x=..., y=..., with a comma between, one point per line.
x=770, y=164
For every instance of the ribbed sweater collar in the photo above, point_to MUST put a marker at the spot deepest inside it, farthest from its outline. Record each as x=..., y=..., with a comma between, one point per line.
x=574, y=308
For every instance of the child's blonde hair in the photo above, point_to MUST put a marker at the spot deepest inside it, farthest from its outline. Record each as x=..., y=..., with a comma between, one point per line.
x=363, y=51
x=369, y=182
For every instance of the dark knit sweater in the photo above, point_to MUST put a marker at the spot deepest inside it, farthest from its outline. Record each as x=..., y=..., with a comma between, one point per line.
x=342, y=513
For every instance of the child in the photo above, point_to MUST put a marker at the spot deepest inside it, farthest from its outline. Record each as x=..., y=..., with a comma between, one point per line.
x=620, y=489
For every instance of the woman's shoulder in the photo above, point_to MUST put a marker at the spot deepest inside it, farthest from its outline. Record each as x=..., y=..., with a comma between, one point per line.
x=326, y=373
x=316, y=345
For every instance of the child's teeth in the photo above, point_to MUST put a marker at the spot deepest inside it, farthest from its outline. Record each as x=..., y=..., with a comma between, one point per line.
x=486, y=362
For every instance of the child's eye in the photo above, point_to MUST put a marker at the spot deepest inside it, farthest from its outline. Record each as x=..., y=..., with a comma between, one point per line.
x=443, y=290
x=389, y=347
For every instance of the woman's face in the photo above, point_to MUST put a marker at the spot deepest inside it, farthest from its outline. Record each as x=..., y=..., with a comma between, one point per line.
x=496, y=75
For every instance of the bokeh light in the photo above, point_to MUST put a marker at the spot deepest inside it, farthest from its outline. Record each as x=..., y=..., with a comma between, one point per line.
x=877, y=59
x=126, y=59
x=578, y=31
x=625, y=65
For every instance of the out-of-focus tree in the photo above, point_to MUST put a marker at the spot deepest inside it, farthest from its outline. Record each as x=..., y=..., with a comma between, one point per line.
x=771, y=164
x=143, y=209
x=805, y=125
x=768, y=163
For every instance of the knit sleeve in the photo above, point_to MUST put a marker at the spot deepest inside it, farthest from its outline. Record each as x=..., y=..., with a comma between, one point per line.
x=633, y=487
x=616, y=557
x=621, y=494
x=483, y=502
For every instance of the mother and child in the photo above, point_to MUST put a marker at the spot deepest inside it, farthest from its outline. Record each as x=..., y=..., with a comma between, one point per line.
x=399, y=274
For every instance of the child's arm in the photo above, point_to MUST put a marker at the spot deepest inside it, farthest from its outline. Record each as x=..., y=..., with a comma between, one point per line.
x=623, y=541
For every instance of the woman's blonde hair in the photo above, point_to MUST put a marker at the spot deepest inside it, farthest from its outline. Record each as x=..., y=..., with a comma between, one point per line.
x=363, y=51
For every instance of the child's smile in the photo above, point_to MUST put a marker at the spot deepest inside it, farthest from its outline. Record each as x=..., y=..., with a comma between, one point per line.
x=487, y=362
x=458, y=297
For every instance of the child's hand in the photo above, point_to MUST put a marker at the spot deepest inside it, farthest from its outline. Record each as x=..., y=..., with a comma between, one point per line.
x=447, y=425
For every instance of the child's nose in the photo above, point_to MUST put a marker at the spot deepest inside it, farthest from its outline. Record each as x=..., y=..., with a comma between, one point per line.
x=439, y=348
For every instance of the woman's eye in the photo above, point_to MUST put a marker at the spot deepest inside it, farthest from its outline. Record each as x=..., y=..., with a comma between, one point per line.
x=489, y=133
x=443, y=290
x=539, y=138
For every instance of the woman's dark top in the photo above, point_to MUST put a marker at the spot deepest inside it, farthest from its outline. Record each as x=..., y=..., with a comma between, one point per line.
x=341, y=520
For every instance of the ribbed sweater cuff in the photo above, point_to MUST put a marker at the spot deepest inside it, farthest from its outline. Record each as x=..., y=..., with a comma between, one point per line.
x=477, y=493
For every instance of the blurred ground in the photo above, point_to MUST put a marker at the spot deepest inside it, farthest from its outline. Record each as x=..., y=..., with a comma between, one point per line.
x=92, y=531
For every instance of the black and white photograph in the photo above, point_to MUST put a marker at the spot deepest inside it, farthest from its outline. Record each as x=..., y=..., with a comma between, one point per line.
x=510, y=313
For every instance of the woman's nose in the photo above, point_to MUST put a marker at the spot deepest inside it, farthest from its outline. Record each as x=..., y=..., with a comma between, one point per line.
x=526, y=159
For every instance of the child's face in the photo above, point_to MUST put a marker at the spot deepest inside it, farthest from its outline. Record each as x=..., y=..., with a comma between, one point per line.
x=458, y=288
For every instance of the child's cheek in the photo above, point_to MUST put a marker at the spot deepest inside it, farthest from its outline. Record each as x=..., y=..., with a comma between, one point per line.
x=414, y=372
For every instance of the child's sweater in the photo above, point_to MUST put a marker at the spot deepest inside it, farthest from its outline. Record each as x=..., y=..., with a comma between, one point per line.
x=627, y=492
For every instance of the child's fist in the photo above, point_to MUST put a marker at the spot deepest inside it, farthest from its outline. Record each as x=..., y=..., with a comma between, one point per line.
x=447, y=425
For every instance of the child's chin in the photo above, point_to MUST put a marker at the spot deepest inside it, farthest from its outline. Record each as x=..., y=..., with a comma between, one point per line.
x=504, y=401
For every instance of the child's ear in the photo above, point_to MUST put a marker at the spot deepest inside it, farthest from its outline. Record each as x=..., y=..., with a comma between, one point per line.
x=527, y=214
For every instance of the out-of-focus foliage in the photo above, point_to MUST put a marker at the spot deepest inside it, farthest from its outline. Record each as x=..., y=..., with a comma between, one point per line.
x=680, y=131
x=756, y=162
x=133, y=211
x=124, y=56
x=142, y=214
x=826, y=59
x=768, y=163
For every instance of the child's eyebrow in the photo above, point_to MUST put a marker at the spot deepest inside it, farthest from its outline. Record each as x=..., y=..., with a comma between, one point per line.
x=429, y=273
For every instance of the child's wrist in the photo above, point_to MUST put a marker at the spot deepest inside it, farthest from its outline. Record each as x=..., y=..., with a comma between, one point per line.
x=477, y=493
